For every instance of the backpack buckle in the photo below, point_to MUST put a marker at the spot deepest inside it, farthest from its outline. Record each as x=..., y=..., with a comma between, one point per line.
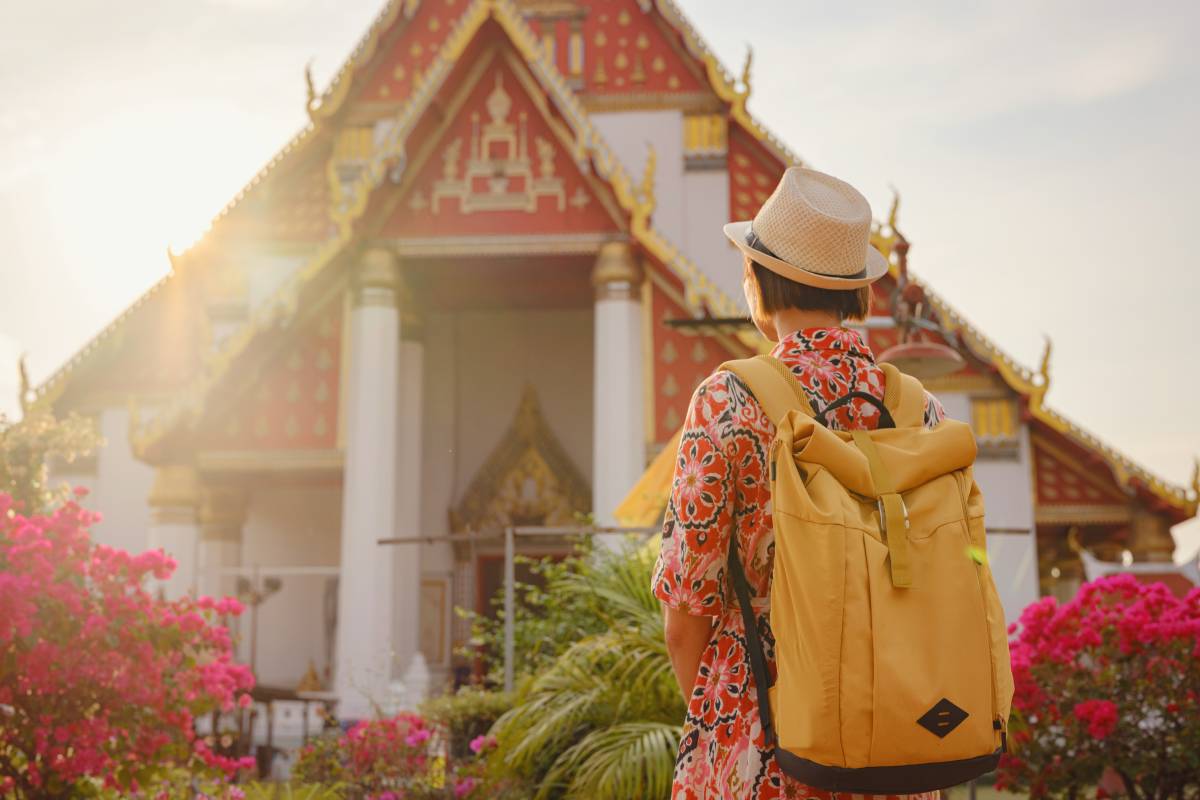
x=883, y=513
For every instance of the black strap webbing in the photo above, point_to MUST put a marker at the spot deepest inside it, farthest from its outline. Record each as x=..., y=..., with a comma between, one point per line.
x=754, y=648
x=885, y=416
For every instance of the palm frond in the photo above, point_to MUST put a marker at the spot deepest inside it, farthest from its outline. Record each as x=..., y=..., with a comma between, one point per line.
x=632, y=759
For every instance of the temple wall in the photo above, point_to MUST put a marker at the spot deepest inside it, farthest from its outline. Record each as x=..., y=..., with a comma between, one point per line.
x=290, y=526
x=266, y=272
x=476, y=366
x=628, y=133
x=706, y=210
x=1007, y=485
x=118, y=486
x=495, y=354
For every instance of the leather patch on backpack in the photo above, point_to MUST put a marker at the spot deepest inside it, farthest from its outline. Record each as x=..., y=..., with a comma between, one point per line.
x=942, y=718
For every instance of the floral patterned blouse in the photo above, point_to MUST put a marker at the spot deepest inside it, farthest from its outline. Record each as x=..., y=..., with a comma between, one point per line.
x=721, y=490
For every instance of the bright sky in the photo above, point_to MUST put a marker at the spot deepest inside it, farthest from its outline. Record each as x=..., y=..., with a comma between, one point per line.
x=1045, y=154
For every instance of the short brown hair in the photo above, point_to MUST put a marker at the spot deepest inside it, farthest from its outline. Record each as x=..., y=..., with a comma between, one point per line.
x=778, y=293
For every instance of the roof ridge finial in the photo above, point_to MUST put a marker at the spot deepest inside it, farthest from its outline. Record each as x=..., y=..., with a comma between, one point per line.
x=25, y=390
x=1044, y=367
x=746, y=86
x=310, y=90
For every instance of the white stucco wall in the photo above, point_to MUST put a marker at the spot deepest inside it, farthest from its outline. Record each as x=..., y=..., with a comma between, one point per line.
x=629, y=134
x=1007, y=485
x=497, y=354
x=118, y=488
x=706, y=210
x=476, y=366
x=290, y=526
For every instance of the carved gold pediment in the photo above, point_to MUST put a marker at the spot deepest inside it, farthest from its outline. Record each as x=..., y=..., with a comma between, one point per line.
x=527, y=480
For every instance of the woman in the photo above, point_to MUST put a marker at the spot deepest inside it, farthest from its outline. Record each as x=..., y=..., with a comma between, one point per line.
x=807, y=269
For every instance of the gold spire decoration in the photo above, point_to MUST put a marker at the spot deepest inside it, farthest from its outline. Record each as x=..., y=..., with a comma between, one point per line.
x=1196, y=477
x=310, y=682
x=1044, y=367
x=25, y=390
x=310, y=89
x=746, y=74
x=885, y=244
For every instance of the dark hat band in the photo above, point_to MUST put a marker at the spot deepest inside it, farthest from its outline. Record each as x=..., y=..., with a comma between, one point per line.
x=755, y=243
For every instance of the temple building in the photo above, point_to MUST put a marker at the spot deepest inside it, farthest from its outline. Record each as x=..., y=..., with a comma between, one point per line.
x=477, y=290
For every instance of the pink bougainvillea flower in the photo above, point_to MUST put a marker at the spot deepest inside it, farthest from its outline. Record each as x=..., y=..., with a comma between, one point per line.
x=1100, y=716
x=100, y=673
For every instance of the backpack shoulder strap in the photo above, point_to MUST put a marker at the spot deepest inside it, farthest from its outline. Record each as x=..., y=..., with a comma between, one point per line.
x=773, y=385
x=904, y=396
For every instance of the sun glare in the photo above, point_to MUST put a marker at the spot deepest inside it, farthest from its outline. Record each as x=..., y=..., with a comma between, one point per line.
x=132, y=185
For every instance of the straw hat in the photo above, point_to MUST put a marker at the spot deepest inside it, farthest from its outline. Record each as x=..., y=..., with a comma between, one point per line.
x=813, y=229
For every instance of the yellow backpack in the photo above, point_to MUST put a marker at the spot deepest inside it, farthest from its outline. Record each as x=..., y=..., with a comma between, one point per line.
x=891, y=648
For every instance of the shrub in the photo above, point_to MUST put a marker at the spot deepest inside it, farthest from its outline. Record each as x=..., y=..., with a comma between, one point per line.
x=1110, y=680
x=389, y=759
x=466, y=715
x=603, y=718
x=99, y=679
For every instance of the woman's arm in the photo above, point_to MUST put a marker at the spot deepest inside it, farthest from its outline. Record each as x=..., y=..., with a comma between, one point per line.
x=686, y=636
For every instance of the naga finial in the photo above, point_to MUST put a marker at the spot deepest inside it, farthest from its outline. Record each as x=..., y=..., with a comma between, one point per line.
x=25, y=390
x=746, y=73
x=1044, y=368
x=310, y=90
x=894, y=213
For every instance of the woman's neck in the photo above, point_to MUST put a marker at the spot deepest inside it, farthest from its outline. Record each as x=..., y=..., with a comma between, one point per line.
x=793, y=319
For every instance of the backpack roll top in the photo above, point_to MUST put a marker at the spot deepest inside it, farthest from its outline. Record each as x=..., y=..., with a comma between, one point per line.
x=890, y=642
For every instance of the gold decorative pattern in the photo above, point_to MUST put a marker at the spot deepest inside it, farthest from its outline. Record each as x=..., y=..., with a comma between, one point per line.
x=722, y=82
x=994, y=419
x=700, y=293
x=575, y=53
x=500, y=173
x=705, y=135
x=527, y=480
x=1033, y=386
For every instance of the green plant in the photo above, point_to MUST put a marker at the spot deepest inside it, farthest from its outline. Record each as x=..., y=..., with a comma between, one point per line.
x=602, y=719
x=466, y=715
x=547, y=620
x=28, y=446
x=289, y=791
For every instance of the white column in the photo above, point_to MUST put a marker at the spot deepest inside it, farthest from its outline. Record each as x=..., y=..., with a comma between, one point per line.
x=619, y=448
x=407, y=557
x=173, y=525
x=363, y=661
x=222, y=515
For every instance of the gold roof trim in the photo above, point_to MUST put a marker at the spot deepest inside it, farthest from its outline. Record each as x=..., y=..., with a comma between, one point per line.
x=334, y=96
x=699, y=289
x=189, y=404
x=1034, y=386
x=723, y=83
x=389, y=156
x=52, y=388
